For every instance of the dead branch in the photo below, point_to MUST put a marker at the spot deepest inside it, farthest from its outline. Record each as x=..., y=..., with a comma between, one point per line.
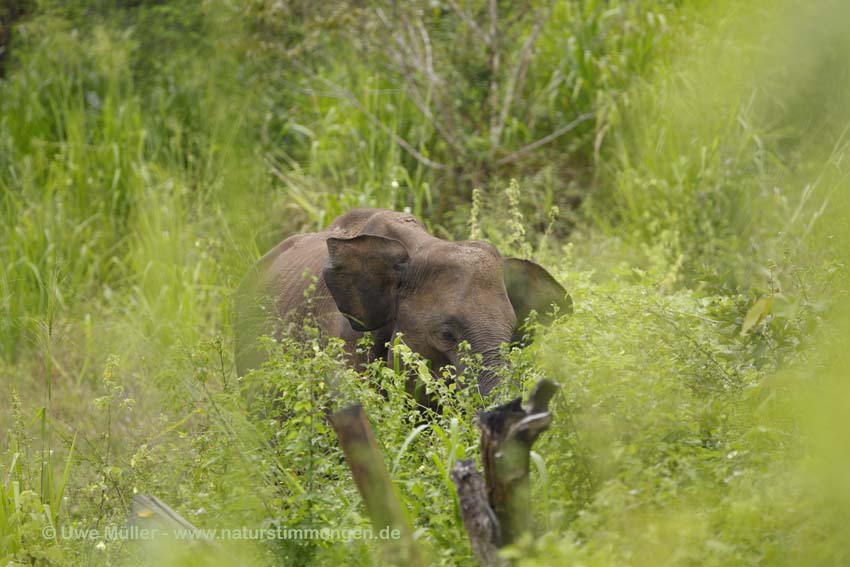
x=480, y=522
x=545, y=139
x=401, y=142
x=516, y=79
x=373, y=482
x=469, y=21
x=496, y=510
x=494, y=61
x=507, y=434
x=414, y=62
x=151, y=513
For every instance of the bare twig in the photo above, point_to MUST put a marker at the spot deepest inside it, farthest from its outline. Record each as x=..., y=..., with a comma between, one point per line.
x=417, y=52
x=150, y=510
x=152, y=514
x=411, y=67
x=401, y=142
x=494, y=21
x=495, y=59
x=515, y=82
x=417, y=62
x=469, y=21
x=545, y=139
x=426, y=44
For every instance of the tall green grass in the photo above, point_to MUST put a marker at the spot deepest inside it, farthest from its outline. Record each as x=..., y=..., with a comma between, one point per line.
x=721, y=154
x=104, y=188
x=150, y=152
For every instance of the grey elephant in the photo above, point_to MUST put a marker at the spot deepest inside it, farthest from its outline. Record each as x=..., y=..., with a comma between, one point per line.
x=380, y=271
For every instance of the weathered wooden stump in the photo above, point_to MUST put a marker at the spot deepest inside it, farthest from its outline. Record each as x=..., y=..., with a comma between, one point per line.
x=373, y=482
x=480, y=521
x=496, y=508
x=496, y=511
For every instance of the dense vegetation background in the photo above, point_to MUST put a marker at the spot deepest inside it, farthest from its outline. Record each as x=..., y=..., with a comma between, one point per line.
x=681, y=166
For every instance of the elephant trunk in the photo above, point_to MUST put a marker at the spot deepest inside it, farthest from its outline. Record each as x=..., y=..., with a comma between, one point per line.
x=487, y=380
x=490, y=376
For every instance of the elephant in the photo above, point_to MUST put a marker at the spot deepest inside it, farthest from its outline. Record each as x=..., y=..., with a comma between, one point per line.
x=379, y=271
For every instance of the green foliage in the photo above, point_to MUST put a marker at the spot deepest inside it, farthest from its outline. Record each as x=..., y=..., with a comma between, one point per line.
x=680, y=166
x=31, y=501
x=718, y=149
x=413, y=105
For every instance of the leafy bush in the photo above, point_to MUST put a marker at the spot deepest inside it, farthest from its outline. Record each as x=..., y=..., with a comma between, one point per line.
x=695, y=209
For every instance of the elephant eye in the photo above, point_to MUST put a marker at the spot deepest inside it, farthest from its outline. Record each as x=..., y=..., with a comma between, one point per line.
x=448, y=335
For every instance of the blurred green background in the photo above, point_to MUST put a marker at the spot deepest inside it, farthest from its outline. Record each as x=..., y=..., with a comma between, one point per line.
x=681, y=166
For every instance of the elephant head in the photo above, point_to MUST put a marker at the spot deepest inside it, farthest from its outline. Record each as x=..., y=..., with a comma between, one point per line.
x=438, y=294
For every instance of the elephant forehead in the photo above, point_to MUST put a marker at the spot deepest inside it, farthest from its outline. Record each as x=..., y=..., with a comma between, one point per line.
x=452, y=262
x=456, y=272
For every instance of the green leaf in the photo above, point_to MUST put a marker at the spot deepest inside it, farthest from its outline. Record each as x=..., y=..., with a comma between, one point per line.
x=757, y=314
x=407, y=441
x=57, y=502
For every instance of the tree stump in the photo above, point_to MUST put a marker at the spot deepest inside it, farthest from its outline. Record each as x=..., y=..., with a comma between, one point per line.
x=478, y=517
x=374, y=484
x=497, y=512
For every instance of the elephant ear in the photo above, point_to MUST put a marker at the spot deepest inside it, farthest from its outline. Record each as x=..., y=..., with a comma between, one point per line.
x=530, y=287
x=362, y=274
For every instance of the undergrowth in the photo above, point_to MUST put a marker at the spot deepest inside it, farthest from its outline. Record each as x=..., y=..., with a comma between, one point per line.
x=151, y=151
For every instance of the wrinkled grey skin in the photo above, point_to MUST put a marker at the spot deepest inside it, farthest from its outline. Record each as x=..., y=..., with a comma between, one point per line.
x=379, y=271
